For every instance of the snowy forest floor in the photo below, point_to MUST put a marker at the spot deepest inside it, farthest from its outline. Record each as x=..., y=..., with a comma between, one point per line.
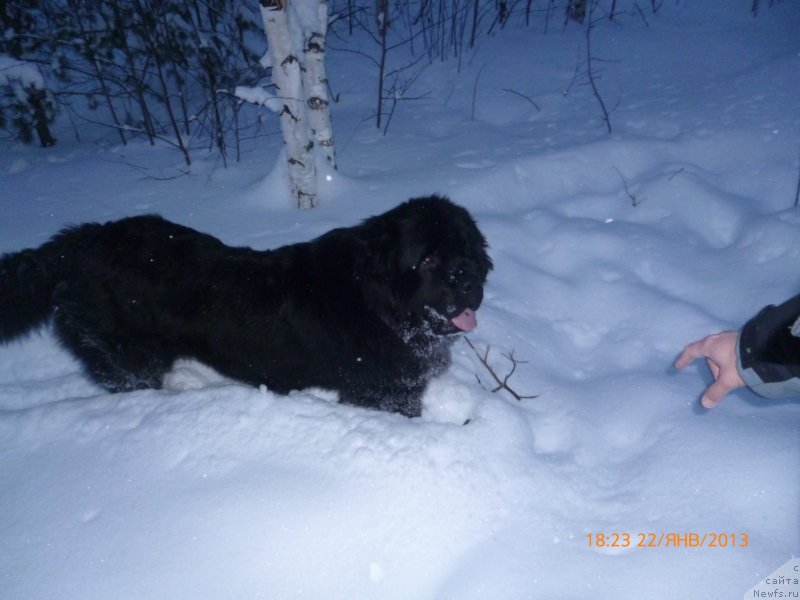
x=611, y=252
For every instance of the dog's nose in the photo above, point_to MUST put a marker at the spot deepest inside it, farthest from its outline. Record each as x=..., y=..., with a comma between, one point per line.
x=471, y=292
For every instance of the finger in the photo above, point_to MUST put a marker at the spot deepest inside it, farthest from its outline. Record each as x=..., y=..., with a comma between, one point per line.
x=689, y=354
x=715, y=393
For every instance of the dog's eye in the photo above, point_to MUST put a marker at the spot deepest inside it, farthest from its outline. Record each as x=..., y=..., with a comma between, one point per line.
x=427, y=263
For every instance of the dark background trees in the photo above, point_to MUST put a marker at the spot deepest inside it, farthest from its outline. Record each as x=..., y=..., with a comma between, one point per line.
x=167, y=70
x=156, y=69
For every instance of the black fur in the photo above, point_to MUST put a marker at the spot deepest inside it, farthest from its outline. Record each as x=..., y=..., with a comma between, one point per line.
x=365, y=310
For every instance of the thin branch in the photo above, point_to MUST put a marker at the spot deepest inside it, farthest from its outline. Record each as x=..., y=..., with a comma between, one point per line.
x=589, y=60
x=675, y=174
x=407, y=66
x=356, y=52
x=536, y=106
x=797, y=192
x=396, y=99
x=475, y=92
x=641, y=14
x=502, y=384
x=634, y=200
x=398, y=93
x=576, y=75
x=147, y=171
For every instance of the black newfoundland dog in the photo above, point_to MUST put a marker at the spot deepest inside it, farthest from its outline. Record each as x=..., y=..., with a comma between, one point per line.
x=369, y=311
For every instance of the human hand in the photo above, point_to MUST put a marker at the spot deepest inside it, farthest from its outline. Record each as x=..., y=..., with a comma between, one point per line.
x=719, y=350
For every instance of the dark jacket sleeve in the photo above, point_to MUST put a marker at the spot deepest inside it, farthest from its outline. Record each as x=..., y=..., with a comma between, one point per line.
x=768, y=350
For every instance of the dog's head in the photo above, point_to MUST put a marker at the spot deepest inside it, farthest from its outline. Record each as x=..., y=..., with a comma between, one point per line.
x=430, y=260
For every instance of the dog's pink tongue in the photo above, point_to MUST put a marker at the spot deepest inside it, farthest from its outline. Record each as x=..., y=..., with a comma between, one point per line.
x=466, y=321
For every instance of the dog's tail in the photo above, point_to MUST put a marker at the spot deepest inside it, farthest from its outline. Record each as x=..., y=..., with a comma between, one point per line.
x=28, y=280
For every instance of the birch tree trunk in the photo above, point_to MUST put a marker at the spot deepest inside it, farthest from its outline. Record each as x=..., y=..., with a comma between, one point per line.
x=315, y=80
x=286, y=75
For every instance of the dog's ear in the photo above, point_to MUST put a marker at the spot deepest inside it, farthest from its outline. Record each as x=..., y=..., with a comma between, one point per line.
x=375, y=272
x=375, y=256
x=380, y=251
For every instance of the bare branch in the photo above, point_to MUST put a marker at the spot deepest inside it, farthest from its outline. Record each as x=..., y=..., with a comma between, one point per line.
x=475, y=92
x=502, y=384
x=634, y=200
x=797, y=192
x=675, y=174
x=641, y=14
x=576, y=75
x=591, y=75
x=536, y=106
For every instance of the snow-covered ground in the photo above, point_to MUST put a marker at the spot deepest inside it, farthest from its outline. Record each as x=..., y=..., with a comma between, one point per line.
x=217, y=490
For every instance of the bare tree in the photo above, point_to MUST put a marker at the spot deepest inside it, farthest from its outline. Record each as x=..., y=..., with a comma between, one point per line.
x=287, y=77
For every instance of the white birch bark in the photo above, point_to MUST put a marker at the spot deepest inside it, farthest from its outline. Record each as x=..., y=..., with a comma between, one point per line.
x=286, y=75
x=315, y=79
